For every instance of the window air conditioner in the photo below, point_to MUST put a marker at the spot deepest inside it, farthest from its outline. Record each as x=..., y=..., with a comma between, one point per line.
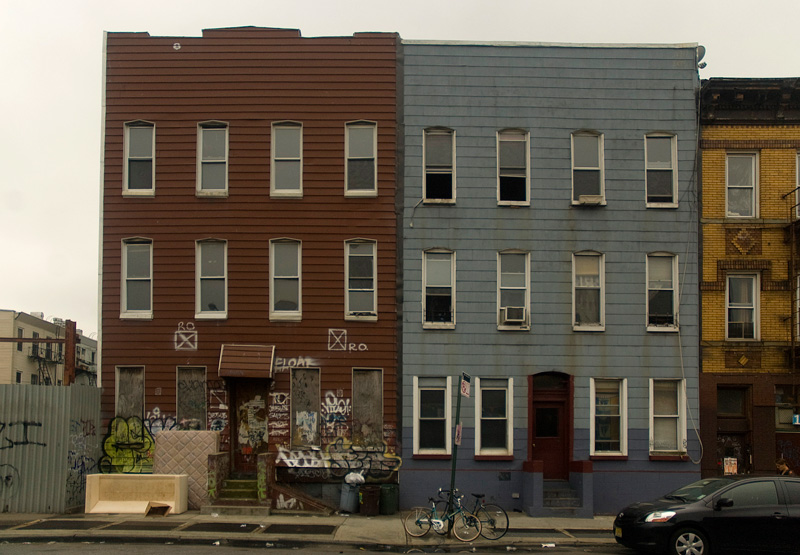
x=513, y=314
x=590, y=199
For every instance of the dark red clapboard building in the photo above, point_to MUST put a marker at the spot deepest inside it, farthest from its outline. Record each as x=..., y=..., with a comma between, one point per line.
x=249, y=255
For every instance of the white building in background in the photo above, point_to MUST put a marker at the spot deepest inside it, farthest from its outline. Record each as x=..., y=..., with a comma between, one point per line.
x=41, y=363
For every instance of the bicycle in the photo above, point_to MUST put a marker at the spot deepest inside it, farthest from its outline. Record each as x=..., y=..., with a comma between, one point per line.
x=494, y=519
x=464, y=525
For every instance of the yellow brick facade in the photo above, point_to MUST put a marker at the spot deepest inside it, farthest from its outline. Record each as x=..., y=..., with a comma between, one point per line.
x=753, y=245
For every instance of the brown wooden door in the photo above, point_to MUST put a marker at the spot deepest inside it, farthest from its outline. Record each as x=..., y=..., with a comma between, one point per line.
x=549, y=439
x=550, y=423
x=249, y=431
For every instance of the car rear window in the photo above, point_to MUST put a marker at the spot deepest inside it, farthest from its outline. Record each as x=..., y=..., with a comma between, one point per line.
x=794, y=492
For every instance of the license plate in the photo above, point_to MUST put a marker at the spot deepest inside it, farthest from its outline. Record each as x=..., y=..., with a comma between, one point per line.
x=617, y=532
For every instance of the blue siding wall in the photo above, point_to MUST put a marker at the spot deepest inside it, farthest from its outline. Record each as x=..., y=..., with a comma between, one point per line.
x=550, y=91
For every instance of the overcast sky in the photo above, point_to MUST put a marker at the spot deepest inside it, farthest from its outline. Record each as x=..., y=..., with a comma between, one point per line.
x=51, y=60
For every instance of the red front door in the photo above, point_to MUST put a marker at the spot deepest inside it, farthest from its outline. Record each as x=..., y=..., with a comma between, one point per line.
x=550, y=424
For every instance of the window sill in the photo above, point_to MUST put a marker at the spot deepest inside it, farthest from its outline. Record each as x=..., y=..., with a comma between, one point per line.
x=661, y=205
x=433, y=326
x=286, y=194
x=211, y=316
x=745, y=341
x=368, y=318
x=675, y=457
x=143, y=193
x=589, y=328
x=522, y=327
x=423, y=457
x=285, y=317
x=494, y=457
x=608, y=457
x=514, y=203
x=662, y=329
x=361, y=194
x=128, y=316
x=576, y=204
x=212, y=194
x=438, y=201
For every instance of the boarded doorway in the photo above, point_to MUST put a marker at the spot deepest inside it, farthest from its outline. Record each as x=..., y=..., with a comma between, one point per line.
x=249, y=423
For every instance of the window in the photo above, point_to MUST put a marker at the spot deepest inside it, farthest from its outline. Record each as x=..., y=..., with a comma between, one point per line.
x=367, y=407
x=285, y=262
x=130, y=391
x=20, y=336
x=139, y=170
x=753, y=494
x=137, y=278
x=361, y=161
x=667, y=422
x=212, y=289
x=440, y=174
x=662, y=311
x=18, y=377
x=432, y=416
x=587, y=168
x=494, y=423
x=191, y=398
x=588, y=299
x=512, y=167
x=660, y=171
x=34, y=379
x=741, y=184
x=742, y=295
x=787, y=404
x=609, y=433
x=439, y=301
x=360, y=275
x=212, y=159
x=513, y=296
x=35, y=346
x=286, y=174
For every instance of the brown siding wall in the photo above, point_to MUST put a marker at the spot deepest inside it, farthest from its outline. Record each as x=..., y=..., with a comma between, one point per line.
x=249, y=78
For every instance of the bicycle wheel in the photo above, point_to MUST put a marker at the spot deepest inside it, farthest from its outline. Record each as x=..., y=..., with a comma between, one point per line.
x=466, y=526
x=418, y=522
x=494, y=521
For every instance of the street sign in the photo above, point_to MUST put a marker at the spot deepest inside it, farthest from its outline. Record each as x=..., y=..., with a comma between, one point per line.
x=457, y=439
x=465, y=379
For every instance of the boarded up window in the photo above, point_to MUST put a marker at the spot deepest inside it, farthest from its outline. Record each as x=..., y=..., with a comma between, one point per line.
x=191, y=400
x=130, y=391
x=305, y=407
x=367, y=406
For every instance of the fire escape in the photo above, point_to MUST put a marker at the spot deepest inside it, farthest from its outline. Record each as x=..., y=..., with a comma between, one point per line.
x=793, y=238
x=47, y=358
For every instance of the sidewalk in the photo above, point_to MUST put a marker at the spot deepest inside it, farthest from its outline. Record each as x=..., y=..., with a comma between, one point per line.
x=286, y=530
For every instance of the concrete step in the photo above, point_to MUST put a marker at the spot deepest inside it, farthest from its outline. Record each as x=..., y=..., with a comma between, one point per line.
x=235, y=510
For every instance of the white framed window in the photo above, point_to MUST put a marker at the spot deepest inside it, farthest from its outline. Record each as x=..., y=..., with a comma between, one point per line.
x=667, y=416
x=588, y=291
x=286, y=173
x=588, y=180
x=439, y=155
x=513, y=168
x=661, y=172
x=438, y=285
x=139, y=170
x=513, y=290
x=285, y=279
x=212, y=159
x=361, y=160
x=742, y=308
x=494, y=416
x=137, y=279
x=361, y=266
x=433, y=414
x=741, y=180
x=609, y=417
x=211, y=287
x=662, y=292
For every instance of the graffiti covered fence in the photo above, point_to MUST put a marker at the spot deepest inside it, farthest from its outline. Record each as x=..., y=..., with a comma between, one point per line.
x=49, y=442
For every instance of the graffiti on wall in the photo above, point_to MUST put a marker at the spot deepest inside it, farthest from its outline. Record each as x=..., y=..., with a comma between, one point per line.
x=338, y=459
x=282, y=365
x=186, y=337
x=337, y=341
x=252, y=420
x=80, y=459
x=157, y=421
x=335, y=413
x=278, y=417
x=217, y=415
x=9, y=482
x=18, y=433
x=127, y=448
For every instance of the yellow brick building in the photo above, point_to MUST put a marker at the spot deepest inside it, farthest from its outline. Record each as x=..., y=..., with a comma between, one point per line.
x=750, y=139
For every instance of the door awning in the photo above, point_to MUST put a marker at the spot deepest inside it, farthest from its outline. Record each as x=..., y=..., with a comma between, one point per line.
x=246, y=361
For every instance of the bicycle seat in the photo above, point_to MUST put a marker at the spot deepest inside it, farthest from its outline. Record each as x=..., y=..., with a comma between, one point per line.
x=479, y=495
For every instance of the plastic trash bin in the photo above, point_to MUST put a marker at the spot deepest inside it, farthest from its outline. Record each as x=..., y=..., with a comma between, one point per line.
x=348, y=502
x=390, y=501
x=370, y=499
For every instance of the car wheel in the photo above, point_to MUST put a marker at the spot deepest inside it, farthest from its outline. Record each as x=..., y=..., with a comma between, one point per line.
x=689, y=541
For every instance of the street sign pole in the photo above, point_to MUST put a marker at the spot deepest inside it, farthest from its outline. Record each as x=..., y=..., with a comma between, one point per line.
x=463, y=392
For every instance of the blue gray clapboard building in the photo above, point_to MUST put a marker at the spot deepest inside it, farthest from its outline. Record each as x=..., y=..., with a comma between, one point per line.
x=550, y=253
